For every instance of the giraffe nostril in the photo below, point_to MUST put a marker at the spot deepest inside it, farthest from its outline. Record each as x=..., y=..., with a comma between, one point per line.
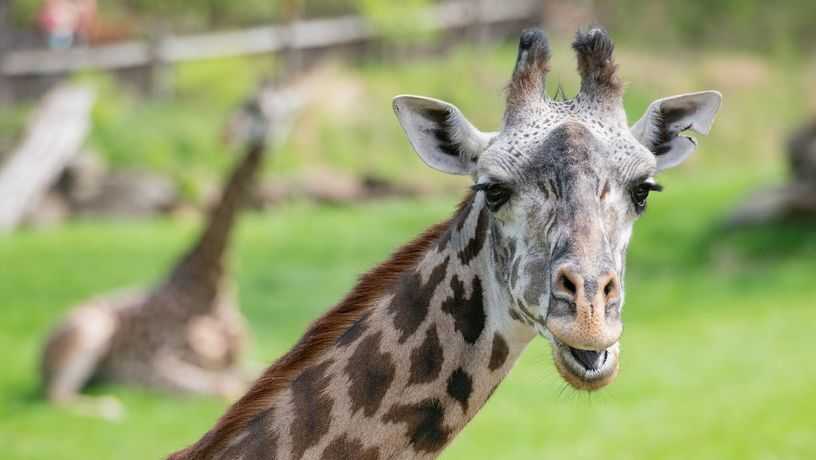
x=568, y=285
x=610, y=289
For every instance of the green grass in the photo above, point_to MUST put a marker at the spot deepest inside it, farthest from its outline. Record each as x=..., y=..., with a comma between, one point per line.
x=715, y=359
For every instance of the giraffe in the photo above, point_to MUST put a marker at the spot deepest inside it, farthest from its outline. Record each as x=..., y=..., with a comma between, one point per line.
x=184, y=335
x=411, y=354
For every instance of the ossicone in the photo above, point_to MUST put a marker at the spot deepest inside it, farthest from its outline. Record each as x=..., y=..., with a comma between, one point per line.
x=596, y=65
x=532, y=65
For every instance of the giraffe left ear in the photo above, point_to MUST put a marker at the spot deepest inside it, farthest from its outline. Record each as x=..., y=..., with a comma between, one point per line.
x=440, y=134
x=660, y=127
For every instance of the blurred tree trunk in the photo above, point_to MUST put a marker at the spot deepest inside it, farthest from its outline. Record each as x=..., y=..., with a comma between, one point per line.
x=215, y=13
x=160, y=73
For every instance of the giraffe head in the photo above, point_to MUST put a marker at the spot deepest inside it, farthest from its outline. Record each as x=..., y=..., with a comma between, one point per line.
x=563, y=181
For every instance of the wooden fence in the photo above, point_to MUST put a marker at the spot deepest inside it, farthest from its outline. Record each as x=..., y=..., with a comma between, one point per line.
x=302, y=35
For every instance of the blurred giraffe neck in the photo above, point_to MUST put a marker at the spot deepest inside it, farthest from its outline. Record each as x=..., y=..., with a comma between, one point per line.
x=203, y=268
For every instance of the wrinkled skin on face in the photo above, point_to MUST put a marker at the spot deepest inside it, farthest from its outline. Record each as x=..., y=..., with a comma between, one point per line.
x=564, y=181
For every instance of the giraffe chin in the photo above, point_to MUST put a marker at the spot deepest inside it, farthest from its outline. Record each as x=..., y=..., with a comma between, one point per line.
x=578, y=375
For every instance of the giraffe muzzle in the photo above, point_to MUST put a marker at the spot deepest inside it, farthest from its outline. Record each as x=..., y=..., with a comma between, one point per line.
x=585, y=326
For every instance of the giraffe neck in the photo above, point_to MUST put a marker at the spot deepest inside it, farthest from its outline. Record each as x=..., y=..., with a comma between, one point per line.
x=200, y=272
x=401, y=378
x=431, y=354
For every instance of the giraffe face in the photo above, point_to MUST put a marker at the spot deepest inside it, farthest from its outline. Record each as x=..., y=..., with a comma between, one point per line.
x=561, y=215
x=563, y=183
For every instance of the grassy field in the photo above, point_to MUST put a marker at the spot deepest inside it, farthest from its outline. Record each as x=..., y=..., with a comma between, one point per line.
x=717, y=353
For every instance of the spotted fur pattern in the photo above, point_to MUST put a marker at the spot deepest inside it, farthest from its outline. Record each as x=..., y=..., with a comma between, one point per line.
x=387, y=390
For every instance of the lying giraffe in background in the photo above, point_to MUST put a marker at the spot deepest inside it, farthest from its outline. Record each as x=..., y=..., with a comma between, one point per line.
x=184, y=335
x=409, y=357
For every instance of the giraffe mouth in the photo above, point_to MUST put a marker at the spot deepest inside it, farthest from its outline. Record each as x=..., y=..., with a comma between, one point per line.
x=586, y=369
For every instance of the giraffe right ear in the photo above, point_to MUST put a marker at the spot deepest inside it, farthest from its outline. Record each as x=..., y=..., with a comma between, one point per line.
x=661, y=127
x=440, y=134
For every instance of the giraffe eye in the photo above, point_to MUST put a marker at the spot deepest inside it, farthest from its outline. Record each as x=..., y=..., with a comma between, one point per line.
x=640, y=194
x=495, y=194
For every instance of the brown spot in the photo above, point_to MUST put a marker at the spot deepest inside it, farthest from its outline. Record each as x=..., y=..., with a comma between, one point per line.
x=499, y=353
x=370, y=373
x=258, y=444
x=354, y=332
x=515, y=316
x=427, y=359
x=312, y=408
x=317, y=340
x=468, y=314
x=460, y=386
x=343, y=448
x=412, y=299
x=424, y=424
x=475, y=244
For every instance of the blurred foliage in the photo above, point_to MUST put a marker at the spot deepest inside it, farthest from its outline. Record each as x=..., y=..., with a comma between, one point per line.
x=400, y=22
x=395, y=18
x=182, y=135
x=12, y=122
x=24, y=12
x=349, y=126
x=741, y=24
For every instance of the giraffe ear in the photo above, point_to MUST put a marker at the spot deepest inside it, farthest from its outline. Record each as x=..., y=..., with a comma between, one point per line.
x=660, y=128
x=440, y=134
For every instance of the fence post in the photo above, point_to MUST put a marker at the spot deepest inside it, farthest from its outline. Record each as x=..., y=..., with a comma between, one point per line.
x=159, y=74
x=5, y=44
x=482, y=27
x=291, y=54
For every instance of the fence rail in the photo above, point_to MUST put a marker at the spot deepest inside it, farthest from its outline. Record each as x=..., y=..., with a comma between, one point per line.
x=302, y=35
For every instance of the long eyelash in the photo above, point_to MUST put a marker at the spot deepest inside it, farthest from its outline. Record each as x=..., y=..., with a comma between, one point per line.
x=654, y=186
x=480, y=187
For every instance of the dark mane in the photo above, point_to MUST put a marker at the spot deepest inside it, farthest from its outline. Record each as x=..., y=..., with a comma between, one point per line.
x=319, y=338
